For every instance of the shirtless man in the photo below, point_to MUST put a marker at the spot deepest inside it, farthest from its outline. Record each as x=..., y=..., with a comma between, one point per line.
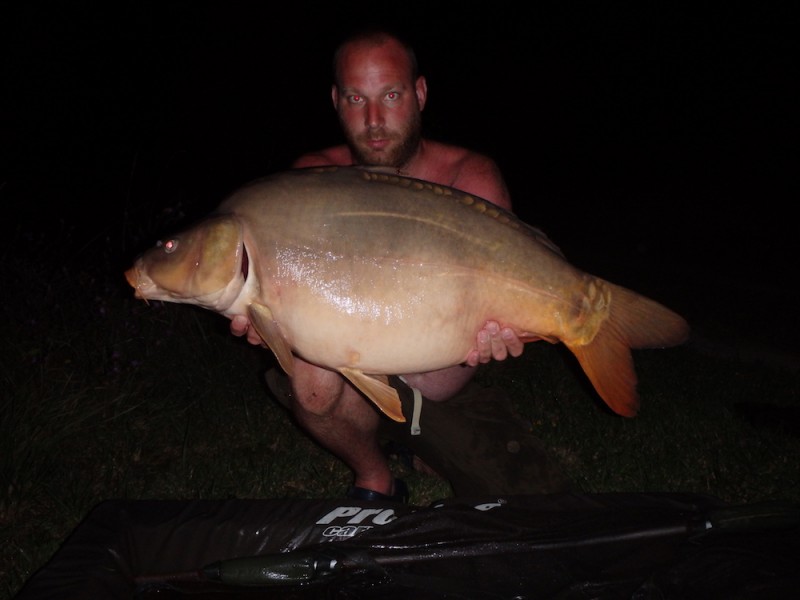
x=379, y=97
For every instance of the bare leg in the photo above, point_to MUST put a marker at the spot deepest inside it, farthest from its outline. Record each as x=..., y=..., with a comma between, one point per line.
x=339, y=418
x=343, y=421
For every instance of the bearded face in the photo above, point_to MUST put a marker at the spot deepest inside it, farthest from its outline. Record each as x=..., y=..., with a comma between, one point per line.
x=387, y=145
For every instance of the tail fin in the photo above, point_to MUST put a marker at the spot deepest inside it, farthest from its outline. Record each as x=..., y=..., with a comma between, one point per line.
x=633, y=322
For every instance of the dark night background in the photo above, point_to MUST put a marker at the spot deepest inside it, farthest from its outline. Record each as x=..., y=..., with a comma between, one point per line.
x=656, y=144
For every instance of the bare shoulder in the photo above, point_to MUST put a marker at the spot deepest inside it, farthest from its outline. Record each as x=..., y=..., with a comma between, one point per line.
x=335, y=155
x=473, y=172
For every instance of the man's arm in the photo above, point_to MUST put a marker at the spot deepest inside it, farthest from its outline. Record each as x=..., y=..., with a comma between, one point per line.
x=479, y=175
x=336, y=155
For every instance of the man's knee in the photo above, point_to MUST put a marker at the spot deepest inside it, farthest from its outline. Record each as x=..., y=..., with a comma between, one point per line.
x=318, y=404
x=317, y=391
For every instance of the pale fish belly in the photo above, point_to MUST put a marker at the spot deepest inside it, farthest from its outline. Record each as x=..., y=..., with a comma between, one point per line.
x=379, y=333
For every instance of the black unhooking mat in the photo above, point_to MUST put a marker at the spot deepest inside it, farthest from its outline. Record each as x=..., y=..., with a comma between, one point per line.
x=560, y=546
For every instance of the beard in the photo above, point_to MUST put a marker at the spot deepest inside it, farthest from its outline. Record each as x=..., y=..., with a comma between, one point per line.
x=405, y=143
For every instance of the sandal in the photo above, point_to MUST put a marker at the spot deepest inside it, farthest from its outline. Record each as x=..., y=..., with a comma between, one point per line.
x=400, y=495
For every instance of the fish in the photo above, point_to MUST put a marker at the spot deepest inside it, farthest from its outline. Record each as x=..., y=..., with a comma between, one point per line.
x=371, y=273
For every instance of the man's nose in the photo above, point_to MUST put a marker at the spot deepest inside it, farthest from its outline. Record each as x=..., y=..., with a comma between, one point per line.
x=374, y=115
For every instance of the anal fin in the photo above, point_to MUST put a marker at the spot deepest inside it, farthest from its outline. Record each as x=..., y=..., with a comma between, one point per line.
x=609, y=366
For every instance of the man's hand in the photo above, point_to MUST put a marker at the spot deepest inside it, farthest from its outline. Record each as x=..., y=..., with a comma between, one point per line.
x=240, y=325
x=494, y=343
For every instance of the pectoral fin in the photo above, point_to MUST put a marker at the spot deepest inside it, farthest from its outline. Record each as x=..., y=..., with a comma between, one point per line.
x=261, y=318
x=378, y=390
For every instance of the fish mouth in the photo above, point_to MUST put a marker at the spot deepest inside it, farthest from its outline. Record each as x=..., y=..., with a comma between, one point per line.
x=140, y=283
x=133, y=278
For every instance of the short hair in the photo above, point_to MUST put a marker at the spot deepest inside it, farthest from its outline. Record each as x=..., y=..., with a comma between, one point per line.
x=375, y=36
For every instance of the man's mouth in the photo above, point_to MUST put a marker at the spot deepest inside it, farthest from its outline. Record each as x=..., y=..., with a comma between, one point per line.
x=377, y=144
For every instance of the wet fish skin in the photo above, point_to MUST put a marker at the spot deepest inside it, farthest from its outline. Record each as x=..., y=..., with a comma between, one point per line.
x=371, y=274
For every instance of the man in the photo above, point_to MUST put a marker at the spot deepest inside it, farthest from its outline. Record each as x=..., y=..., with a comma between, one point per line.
x=379, y=97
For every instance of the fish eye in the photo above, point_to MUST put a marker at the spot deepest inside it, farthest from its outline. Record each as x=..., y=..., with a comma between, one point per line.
x=169, y=246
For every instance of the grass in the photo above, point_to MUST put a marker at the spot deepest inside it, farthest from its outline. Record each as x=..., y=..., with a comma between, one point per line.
x=107, y=397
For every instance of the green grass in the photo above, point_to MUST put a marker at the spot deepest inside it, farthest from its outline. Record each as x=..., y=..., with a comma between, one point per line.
x=688, y=437
x=107, y=397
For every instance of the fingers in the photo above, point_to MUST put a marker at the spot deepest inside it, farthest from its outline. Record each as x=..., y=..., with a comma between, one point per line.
x=489, y=344
x=512, y=343
x=497, y=347
x=254, y=338
x=472, y=359
x=240, y=325
x=484, y=345
x=494, y=343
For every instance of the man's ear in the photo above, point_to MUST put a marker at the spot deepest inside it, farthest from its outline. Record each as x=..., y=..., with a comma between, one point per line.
x=421, y=90
x=335, y=96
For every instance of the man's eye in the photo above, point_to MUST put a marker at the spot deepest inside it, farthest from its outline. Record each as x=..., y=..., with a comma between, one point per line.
x=356, y=99
x=392, y=96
